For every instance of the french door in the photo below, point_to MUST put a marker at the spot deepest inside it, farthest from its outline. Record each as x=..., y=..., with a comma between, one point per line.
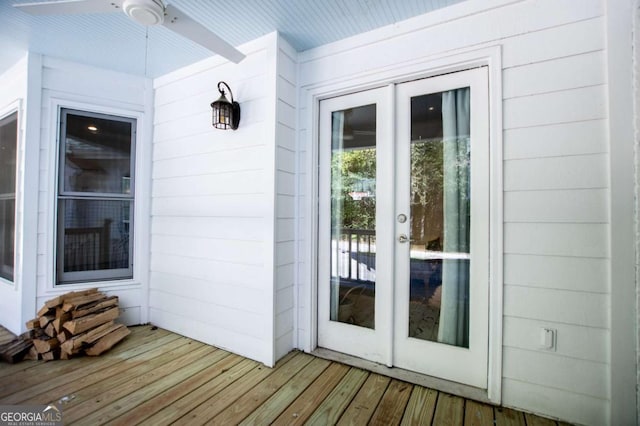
x=403, y=254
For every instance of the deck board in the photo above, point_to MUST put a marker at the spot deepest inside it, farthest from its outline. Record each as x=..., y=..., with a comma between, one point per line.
x=449, y=410
x=305, y=405
x=392, y=405
x=103, y=394
x=151, y=385
x=170, y=394
x=508, y=417
x=477, y=414
x=267, y=412
x=155, y=377
x=89, y=385
x=330, y=410
x=366, y=401
x=182, y=407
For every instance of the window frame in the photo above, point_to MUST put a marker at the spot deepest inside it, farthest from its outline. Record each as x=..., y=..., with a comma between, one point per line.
x=4, y=115
x=107, y=275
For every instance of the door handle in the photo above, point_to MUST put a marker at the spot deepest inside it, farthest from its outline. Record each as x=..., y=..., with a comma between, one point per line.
x=402, y=238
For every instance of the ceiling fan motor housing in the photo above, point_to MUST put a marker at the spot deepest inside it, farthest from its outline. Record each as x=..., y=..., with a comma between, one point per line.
x=145, y=12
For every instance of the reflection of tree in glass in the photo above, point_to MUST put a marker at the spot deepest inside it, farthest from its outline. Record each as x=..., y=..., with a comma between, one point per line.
x=353, y=187
x=426, y=192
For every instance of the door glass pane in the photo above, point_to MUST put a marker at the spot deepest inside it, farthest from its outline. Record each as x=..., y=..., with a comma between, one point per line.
x=353, y=216
x=440, y=217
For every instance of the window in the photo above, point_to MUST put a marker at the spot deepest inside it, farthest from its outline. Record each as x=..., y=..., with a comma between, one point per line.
x=8, y=148
x=95, y=197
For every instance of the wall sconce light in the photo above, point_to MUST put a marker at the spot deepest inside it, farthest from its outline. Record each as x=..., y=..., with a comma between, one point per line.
x=226, y=115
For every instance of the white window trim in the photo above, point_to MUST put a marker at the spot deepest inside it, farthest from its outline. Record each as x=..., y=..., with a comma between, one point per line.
x=423, y=68
x=7, y=110
x=142, y=170
x=95, y=275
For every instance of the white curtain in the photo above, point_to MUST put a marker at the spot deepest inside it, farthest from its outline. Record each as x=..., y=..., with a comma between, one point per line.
x=454, y=310
x=337, y=148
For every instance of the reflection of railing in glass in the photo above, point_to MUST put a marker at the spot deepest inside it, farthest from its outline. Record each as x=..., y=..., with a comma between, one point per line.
x=87, y=249
x=353, y=255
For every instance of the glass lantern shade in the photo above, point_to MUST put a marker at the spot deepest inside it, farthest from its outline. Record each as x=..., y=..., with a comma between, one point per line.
x=225, y=114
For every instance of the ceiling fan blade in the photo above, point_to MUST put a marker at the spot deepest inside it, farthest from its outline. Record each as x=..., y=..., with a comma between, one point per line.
x=181, y=23
x=70, y=7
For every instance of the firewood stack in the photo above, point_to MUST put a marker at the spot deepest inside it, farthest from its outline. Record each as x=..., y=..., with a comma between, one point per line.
x=79, y=322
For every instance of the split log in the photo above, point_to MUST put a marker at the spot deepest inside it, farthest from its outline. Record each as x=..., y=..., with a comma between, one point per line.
x=74, y=344
x=108, y=341
x=50, y=330
x=59, y=300
x=74, y=323
x=15, y=350
x=70, y=304
x=32, y=354
x=43, y=346
x=60, y=320
x=34, y=323
x=51, y=355
x=63, y=336
x=94, y=307
x=81, y=324
x=45, y=310
x=46, y=319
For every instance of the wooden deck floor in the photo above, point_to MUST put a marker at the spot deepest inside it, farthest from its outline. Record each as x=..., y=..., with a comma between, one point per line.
x=155, y=377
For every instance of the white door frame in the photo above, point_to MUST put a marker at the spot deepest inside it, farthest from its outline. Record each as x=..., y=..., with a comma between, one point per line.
x=427, y=67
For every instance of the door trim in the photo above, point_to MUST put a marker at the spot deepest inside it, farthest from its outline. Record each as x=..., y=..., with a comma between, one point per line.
x=310, y=97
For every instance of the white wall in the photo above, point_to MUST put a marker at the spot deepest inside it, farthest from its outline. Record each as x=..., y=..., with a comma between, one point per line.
x=556, y=185
x=285, y=190
x=13, y=95
x=636, y=113
x=67, y=84
x=221, y=249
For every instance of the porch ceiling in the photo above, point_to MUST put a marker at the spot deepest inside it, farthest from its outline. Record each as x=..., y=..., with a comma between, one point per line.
x=113, y=41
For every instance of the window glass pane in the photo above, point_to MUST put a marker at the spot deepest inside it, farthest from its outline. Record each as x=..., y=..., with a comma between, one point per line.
x=8, y=147
x=97, y=155
x=95, y=199
x=353, y=216
x=96, y=234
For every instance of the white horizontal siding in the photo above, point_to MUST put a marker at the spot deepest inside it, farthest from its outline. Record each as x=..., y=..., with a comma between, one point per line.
x=209, y=270
x=556, y=140
x=557, y=272
x=557, y=239
x=285, y=190
x=225, y=205
x=586, y=103
x=566, y=172
x=536, y=368
x=213, y=163
x=88, y=82
x=583, y=409
x=557, y=206
x=212, y=228
x=199, y=328
x=569, y=307
x=572, y=72
x=573, y=341
x=555, y=173
x=13, y=88
x=99, y=90
x=233, y=251
x=579, y=36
